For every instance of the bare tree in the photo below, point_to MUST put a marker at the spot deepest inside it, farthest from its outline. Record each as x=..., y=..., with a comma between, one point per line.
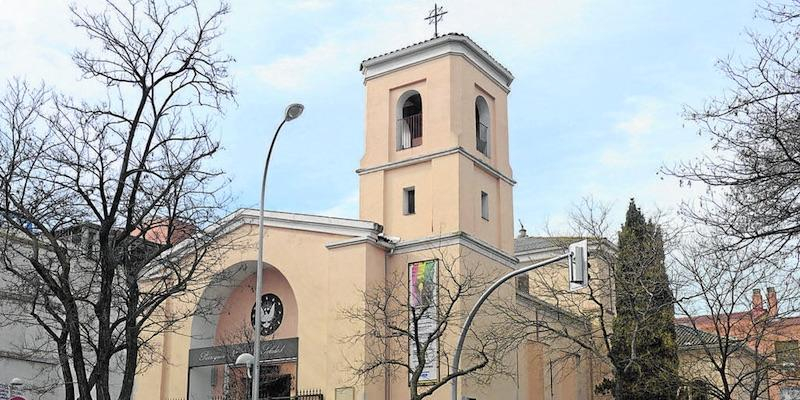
x=753, y=172
x=406, y=323
x=735, y=337
x=96, y=196
x=593, y=305
x=747, y=222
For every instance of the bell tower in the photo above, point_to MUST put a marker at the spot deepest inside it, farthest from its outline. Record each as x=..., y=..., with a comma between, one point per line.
x=436, y=143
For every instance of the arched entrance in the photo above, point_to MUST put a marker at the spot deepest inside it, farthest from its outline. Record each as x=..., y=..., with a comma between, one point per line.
x=223, y=330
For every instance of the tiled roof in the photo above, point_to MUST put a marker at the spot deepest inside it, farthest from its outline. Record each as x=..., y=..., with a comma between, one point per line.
x=440, y=37
x=722, y=319
x=687, y=336
x=532, y=243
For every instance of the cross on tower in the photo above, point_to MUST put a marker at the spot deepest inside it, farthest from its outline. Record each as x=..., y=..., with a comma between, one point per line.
x=434, y=17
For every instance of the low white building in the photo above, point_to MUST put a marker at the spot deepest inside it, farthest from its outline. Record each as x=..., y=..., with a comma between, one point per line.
x=26, y=367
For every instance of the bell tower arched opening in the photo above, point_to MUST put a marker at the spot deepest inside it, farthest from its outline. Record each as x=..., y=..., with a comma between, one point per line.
x=409, y=120
x=482, y=124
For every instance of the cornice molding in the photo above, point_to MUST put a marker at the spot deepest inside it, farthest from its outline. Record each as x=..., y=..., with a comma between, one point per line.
x=277, y=219
x=376, y=241
x=456, y=45
x=553, y=311
x=456, y=238
x=313, y=223
x=427, y=157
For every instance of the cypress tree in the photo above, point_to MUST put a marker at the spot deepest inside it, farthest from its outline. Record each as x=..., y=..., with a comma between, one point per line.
x=643, y=348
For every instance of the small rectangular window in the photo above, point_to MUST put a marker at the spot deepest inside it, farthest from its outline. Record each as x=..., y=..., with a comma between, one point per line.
x=523, y=284
x=409, y=206
x=484, y=206
x=787, y=352
x=345, y=393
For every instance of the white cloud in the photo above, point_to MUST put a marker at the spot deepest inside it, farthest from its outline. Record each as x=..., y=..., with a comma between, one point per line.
x=309, y=5
x=555, y=224
x=612, y=157
x=346, y=207
x=38, y=39
x=638, y=124
x=521, y=25
x=298, y=72
x=385, y=27
x=32, y=36
x=646, y=127
x=644, y=118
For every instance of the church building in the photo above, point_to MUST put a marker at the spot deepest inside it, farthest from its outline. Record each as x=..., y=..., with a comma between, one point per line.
x=435, y=182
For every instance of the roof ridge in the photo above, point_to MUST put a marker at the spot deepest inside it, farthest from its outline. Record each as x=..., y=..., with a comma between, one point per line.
x=306, y=214
x=412, y=45
x=449, y=34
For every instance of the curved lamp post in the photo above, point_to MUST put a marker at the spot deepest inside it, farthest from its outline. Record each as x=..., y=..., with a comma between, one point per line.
x=577, y=262
x=292, y=112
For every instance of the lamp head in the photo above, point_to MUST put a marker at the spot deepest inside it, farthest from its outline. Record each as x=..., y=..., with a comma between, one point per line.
x=245, y=359
x=293, y=111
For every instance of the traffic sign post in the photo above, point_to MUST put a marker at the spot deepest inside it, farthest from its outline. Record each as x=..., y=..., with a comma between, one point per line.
x=579, y=265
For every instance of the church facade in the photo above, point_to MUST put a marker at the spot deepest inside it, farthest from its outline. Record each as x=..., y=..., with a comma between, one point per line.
x=435, y=180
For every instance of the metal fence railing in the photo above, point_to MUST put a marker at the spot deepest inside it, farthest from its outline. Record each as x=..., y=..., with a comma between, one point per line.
x=409, y=131
x=482, y=137
x=302, y=395
x=314, y=394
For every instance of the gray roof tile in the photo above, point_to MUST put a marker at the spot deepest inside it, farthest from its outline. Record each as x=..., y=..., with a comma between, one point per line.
x=533, y=243
x=687, y=336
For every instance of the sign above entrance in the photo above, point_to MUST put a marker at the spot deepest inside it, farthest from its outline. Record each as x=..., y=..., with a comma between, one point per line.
x=278, y=349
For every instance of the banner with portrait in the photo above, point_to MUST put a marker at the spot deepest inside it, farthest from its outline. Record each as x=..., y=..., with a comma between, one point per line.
x=423, y=281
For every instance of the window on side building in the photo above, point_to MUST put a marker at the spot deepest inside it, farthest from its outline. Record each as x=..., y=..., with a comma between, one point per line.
x=409, y=201
x=484, y=206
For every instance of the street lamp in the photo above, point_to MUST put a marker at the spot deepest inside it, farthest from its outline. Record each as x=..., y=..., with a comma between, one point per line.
x=292, y=112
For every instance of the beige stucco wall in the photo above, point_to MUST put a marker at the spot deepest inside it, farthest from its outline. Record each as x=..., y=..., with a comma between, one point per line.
x=322, y=281
x=234, y=325
x=550, y=375
x=696, y=364
x=551, y=284
x=454, y=257
x=535, y=370
x=326, y=282
x=447, y=187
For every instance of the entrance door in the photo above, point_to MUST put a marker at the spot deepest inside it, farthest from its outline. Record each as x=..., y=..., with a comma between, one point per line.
x=276, y=382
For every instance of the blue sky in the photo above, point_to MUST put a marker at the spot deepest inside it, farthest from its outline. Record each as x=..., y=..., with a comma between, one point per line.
x=595, y=109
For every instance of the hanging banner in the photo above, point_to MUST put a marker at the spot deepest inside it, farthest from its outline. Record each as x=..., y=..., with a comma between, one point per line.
x=423, y=281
